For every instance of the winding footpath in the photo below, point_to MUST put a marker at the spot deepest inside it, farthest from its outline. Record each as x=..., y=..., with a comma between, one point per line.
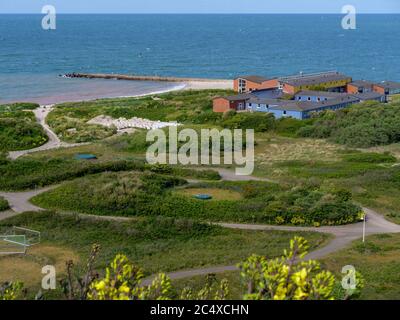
x=54, y=142
x=342, y=235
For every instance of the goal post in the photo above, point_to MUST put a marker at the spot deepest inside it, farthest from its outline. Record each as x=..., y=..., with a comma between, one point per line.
x=12, y=244
x=32, y=237
x=17, y=240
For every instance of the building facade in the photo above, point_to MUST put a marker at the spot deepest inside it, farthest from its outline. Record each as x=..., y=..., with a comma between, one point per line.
x=252, y=83
x=330, y=81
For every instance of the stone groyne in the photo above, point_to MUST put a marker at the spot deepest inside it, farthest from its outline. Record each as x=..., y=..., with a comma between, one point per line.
x=137, y=77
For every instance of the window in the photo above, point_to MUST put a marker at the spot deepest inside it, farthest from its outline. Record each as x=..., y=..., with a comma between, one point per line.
x=284, y=112
x=309, y=98
x=319, y=99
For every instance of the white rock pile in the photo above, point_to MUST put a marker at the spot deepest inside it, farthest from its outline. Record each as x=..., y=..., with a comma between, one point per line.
x=123, y=123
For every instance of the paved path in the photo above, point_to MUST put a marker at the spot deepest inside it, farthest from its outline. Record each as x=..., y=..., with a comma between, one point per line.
x=230, y=175
x=19, y=201
x=54, y=142
x=343, y=235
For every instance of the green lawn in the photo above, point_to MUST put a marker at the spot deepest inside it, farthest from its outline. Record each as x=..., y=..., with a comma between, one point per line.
x=378, y=261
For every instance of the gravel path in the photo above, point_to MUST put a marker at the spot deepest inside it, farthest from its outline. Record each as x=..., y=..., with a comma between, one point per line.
x=343, y=235
x=54, y=142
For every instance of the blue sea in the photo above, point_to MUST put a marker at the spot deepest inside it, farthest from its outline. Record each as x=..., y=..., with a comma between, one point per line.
x=207, y=46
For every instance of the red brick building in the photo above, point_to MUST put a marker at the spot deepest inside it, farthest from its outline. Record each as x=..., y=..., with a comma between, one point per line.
x=361, y=86
x=252, y=83
x=387, y=88
x=238, y=103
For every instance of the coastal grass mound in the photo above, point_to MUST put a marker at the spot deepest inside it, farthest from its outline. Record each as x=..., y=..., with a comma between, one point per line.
x=165, y=195
x=69, y=120
x=19, y=129
x=154, y=243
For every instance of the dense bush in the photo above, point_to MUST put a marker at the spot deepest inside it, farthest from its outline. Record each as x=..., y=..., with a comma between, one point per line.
x=260, y=122
x=20, y=106
x=4, y=204
x=365, y=125
x=19, y=129
x=370, y=157
x=26, y=173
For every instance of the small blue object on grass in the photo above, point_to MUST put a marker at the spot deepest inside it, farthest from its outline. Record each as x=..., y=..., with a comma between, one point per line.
x=203, y=196
x=85, y=157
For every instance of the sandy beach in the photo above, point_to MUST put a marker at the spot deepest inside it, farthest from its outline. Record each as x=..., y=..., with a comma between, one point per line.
x=209, y=84
x=104, y=89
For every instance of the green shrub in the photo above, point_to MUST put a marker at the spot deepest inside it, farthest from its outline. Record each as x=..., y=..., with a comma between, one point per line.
x=363, y=125
x=27, y=173
x=258, y=121
x=20, y=106
x=153, y=196
x=19, y=129
x=4, y=204
x=370, y=157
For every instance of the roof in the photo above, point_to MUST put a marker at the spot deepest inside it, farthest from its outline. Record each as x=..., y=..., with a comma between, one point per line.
x=389, y=85
x=309, y=80
x=321, y=94
x=238, y=97
x=291, y=105
x=309, y=106
x=368, y=95
x=261, y=100
x=362, y=83
x=337, y=101
x=256, y=79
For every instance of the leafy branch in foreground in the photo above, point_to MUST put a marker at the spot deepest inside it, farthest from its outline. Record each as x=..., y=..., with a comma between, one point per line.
x=11, y=290
x=284, y=279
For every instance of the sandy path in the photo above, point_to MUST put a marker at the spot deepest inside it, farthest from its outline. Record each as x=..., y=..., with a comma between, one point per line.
x=54, y=142
x=343, y=235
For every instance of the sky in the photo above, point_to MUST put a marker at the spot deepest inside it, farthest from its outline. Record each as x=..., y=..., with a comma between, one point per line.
x=199, y=6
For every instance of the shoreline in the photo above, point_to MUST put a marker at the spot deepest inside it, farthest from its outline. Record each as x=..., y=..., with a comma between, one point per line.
x=204, y=84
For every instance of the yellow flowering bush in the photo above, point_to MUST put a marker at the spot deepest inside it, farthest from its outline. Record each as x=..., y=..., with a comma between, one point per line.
x=123, y=282
x=10, y=290
x=287, y=278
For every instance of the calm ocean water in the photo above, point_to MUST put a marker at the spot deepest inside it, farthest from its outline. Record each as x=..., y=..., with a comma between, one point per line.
x=210, y=46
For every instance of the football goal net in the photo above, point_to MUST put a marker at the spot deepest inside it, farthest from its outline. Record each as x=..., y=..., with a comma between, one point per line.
x=17, y=240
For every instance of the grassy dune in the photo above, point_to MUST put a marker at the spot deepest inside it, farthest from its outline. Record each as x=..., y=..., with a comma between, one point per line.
x=19, y=129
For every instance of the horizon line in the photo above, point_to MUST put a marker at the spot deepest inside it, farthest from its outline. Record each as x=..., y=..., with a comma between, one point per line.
x=201, y=13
